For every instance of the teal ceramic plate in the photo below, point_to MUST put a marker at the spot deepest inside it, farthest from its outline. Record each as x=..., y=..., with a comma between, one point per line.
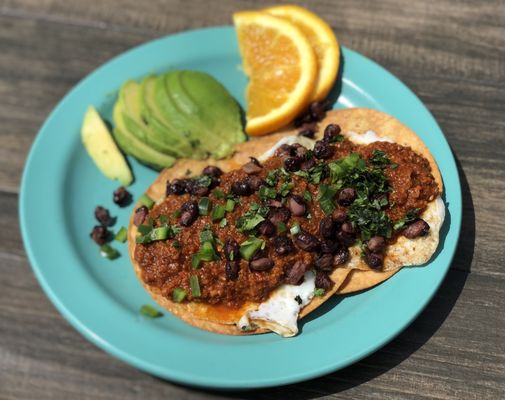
x=101, y=299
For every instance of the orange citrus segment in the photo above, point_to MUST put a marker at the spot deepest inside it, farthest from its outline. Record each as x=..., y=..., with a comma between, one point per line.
x=281, y=66
x=322, y=40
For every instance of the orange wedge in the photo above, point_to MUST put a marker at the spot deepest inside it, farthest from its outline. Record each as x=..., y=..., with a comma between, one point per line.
x=281, y=66
x=322, y=40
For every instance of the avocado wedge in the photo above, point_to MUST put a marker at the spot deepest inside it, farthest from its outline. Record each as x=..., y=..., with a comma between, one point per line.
x=132, y=145
x=102, y=149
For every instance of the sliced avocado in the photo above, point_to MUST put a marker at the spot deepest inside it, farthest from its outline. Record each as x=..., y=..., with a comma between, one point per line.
x=132, y=145
x=193, y=116
x=102, y=149
x=129, y=97
x=156, y=120
x=211, y=98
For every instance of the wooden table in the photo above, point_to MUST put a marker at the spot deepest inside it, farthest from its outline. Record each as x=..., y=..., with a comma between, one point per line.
x=451, y=53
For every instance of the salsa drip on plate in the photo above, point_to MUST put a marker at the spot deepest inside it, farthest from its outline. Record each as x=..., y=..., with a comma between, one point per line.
x=229, y=238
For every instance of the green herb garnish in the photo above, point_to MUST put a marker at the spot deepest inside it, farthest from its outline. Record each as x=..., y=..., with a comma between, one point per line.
x=409, y=217
x=149, y=311
x=319, y=292
x=223, y=223
x=249, y=247
x=195, y=286
x=230, y=205
x=218, y=213
x=266, y=192
x=107, y=251
x=145, y=200
x=204, y=206
x=295, y=229
x=307, y=196
x=218, y=194
x=121, y=235
x=325, y=197
x=178, y=295
x=176, y=213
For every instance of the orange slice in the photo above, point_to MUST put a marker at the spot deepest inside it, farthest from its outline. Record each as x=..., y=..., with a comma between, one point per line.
x=322, y=40
x=281, y=66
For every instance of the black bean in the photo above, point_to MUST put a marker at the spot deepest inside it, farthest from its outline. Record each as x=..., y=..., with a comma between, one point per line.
x=308, y=133
x=307, y=241
x=308, y=164
x=323, y=281
x=324, y=263
x=417, y=228
x=346, y=197
x=274, y=203
x=284, y=150
x=278, y=215
x=232, y=269
x=347, y=227
x=295, y=274
x=231, y=249
x=341, y=256
x=266, y=228
x=213, y=171
x=121, y=196
x=330, y=132
x=374, y=260
x=376, y=244
x=296, y=205
x=261, y=264
x=303, y=119
x=189, y=213
x=99, y=234
x=322, y=150
x=330, y=246
x=299, y=150
x=177, y=187
x=241, y=188
x=254, y=182
x=283, y=245
x=194, y=188
x=292, y=164
x=102, y=215
x=346, y=239
x=339, y=216
x=317, y=110
x=140, y=215
x=252, y=167
x=327, y=227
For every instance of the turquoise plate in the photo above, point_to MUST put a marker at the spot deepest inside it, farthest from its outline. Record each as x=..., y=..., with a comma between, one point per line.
x=101, y=299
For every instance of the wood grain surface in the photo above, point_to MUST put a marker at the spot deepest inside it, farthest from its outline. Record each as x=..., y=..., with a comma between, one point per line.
x=451, y=53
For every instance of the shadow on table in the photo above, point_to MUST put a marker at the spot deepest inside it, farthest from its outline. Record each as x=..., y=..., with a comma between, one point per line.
x=408, y=342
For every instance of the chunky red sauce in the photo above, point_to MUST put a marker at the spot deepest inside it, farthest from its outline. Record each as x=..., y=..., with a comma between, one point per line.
x=167, y=266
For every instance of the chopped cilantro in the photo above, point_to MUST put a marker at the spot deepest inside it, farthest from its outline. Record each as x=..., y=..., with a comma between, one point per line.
x=409, y=217
x=325, y=197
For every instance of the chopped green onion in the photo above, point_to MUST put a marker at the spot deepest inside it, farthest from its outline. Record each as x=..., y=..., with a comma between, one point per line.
x=160, y=233
x=319, y=292
x=230, y=205
x=295, y=229
x=281, y=227
x=206, y=236
x=144, y=229
x=163, y=219
x=178, y=295
x=195, y=261
x=218, y=213
x=195, y=286
x=248, y=222
x=250, y=246
x=286, y=187
x=307, y=196
x=121, y=235
x=266, y=192
x=145, y=200
x=223, y=223
x=207, y=252
x=176, y=213
x=218, y=194
x=149, y=311
x=204, y=206
x=107, y=251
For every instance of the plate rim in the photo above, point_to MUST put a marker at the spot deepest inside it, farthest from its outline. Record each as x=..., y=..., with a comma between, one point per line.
x=110, y=348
